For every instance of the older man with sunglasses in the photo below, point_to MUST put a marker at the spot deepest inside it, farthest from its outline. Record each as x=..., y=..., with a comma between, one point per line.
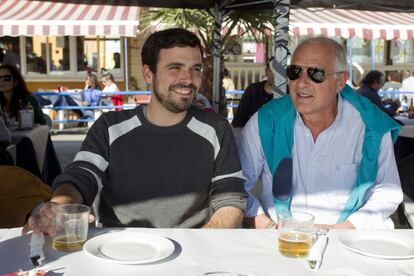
x=323, y=149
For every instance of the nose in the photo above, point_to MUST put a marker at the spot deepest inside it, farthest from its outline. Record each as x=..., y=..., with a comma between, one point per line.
x=185, y=75
x=303, y=78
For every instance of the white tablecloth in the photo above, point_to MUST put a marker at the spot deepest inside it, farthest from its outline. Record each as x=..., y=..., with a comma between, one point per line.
x=248, y=252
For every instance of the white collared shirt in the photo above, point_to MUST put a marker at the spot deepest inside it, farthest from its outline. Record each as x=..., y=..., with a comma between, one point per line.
x=324, y=172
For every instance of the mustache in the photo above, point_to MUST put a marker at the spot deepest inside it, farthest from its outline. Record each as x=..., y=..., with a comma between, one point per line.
x=185, y=86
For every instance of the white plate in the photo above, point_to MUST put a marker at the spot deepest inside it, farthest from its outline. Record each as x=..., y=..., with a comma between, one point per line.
x=379, y=244
x=129, y=247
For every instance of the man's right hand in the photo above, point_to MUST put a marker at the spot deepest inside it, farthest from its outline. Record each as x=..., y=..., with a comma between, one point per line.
x=261, y=222
x=42, y=220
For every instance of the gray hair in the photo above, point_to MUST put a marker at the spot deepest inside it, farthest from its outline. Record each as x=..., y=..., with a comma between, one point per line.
x=339, y=51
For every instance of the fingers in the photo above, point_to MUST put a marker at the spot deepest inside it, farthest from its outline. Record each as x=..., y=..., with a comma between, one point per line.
x=42, y=220
x=91, y=218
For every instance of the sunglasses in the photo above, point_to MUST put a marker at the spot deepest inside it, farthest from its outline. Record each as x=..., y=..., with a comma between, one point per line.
x=317, y=75
x=6, y=78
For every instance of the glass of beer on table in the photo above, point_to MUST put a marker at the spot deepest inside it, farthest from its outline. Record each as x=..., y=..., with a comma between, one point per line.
x=71, y=227
x=295, y=233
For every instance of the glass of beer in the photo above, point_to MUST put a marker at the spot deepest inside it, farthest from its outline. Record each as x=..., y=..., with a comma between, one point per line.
x=71, y=227
x=295, y=234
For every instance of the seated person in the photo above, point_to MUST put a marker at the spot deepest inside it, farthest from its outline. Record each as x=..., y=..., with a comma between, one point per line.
x=370, y=85
x=254, y=97
x=91, y=95
x=15, y=96
x=144, y=159
x=5, y=137
x=20, y=192
x=110, y=87
x=322, y=149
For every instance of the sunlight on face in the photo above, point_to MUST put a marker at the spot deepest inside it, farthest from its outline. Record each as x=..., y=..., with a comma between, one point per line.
x=178, y=78
x=311, y=99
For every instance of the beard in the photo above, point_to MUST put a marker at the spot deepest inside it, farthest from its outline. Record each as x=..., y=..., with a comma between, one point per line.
x=174, y=104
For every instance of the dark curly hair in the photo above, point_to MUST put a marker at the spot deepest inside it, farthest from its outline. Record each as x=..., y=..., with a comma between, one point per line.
x=166, y=39
x=372, y=77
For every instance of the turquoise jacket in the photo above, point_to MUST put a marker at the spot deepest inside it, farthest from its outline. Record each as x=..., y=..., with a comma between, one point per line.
x=276, y=126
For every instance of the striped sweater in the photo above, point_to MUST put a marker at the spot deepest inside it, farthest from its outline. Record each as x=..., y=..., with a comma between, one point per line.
x=155, y=176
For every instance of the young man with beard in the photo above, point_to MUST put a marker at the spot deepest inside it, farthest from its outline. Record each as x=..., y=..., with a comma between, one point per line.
x=323, y=149
x=167, y=164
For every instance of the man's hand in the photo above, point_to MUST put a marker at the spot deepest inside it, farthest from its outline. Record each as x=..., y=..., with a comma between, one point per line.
x=261, y=222
x=43, y=220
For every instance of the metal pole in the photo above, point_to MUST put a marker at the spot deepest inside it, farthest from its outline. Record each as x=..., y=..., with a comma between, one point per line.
x=349, y=46
x=373, y=44
x=280, y=46
x=126, y=63
x=216, y=56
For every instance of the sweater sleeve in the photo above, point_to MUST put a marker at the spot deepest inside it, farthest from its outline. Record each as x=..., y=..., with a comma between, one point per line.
x=87, y=172
x=227, y=182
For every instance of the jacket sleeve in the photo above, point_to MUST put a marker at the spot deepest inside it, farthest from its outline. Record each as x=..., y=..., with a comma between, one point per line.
x=253, y=164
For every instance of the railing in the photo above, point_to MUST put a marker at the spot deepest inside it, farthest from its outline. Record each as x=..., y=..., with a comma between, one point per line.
x=244, y=74
x=63, y=117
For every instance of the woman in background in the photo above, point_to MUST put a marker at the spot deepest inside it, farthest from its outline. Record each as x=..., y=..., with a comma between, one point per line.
x=110, y=86
x=91, y=94
x=14, y=95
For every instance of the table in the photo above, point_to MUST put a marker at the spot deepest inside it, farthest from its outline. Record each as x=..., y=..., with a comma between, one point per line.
x=35, y=152
x=404, y=119
x=247, y=251
x=404, y=146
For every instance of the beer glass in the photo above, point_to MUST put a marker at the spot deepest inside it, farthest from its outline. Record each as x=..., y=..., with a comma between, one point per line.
x=71, y=227
x=295, y=234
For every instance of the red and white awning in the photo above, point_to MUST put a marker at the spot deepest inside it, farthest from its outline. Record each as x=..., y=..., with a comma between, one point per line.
x=31, y=18
x=349, y=23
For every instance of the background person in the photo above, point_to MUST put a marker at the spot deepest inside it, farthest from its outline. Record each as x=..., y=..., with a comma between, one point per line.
x=110, y=87
x=370, y=85
x=322, y=149
x=15, y=96
x=145, y=157
x=91, y=95
x=255, y=96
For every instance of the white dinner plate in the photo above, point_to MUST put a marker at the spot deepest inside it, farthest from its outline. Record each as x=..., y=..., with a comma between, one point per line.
x=129, y=247
x=379, y=244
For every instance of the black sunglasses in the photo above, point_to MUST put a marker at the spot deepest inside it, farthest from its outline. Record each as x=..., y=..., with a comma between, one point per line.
x=317, y=75
x=6, y=78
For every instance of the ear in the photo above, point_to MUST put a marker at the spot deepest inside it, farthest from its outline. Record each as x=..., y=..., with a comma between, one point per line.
x=147, y=73
x=341, y=82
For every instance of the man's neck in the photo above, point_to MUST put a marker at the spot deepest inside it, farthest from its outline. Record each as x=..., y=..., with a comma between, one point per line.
x=160, y=116
x=317, y=124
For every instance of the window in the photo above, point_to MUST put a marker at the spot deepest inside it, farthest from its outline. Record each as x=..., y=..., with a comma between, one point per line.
x=10, y=51
x=402, y=51
x=65, y=56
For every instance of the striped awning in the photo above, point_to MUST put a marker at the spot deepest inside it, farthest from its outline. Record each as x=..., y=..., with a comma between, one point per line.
x=31, y=18
x=351, y=23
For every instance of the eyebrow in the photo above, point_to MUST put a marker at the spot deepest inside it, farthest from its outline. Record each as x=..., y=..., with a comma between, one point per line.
x=200, y=65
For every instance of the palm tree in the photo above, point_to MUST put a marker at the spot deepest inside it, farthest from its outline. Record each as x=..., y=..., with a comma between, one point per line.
x=251, y=23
